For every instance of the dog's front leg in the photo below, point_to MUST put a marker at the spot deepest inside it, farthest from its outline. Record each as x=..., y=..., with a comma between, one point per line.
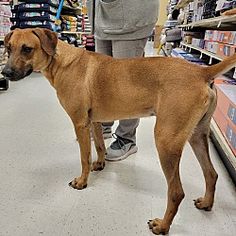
x=100, y=147
x=83, y=136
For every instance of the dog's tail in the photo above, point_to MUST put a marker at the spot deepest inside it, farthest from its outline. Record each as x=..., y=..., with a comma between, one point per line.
x=221, y=68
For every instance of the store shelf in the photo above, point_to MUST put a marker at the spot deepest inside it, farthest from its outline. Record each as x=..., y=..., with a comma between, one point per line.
x=219, y=140
x=203, y=51
x=224, y=150
x=70, y=32
x=212, y=23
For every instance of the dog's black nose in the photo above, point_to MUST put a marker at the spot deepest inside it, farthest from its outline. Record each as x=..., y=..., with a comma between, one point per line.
x=7, y=72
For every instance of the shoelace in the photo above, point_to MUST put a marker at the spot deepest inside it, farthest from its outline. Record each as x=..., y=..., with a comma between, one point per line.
x=119, y=141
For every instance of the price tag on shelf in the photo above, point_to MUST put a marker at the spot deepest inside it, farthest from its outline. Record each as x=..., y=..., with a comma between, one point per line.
x=234, y=76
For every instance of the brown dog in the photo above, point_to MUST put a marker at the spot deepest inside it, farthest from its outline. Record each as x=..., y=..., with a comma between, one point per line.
x=177, y=92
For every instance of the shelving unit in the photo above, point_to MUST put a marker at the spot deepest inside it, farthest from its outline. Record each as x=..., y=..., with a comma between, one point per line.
x=221, y=23
x=221, y=144
x=5, y=17
x=223, y=148
x=202, y=52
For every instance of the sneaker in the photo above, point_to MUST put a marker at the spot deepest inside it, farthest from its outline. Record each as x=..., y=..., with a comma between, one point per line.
x=120, y=149
x=106, y=132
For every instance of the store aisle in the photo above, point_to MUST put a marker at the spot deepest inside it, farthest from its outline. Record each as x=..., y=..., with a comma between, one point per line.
x=39, y=156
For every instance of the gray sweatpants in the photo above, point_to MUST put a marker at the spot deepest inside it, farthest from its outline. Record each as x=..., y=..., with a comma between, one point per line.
x=123, y=49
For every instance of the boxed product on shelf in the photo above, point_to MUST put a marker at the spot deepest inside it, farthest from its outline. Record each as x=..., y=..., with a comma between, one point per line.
x=178, y=52
x=32, y=24
x=223, y=5
x=208, y=35
x=197, y=10
x=69, y=23
x=34, y=16
x=227, y=100
x=198, y=42
x=209, y=9
x=3, y=55
x=226, y=50
x=5, y=24
x=220, y=120
x=211, y=46
x=226, y=128
x=211, y=35
x=35, y=7
x=34, y=13
x=50, y=2
x=231, y=137
x=222, y=43
x=228, y=37
x=225, y=113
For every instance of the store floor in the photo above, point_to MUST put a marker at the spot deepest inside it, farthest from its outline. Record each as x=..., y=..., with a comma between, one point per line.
x=39, y=156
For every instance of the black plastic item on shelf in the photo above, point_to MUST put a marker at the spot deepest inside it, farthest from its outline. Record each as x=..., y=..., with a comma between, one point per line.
x=70, y=38
x=35, y=16
x=4, y=84
x=25, y=7
x=209, y=8
x=32, y=24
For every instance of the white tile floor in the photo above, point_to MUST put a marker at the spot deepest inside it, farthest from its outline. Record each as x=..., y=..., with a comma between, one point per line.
x=39, y=157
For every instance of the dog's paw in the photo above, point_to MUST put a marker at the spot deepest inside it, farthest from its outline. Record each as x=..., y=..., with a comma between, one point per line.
x=98, y=165
x=78, y=183
x=158, y=227
x=203, y=204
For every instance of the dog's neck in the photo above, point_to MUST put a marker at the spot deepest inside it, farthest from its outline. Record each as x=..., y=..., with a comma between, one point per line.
x=64, y=57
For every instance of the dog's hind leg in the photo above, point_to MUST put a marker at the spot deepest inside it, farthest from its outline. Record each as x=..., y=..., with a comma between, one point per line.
x=83, y=135
x=199, y=142
x=100, y=147
x=170, y=143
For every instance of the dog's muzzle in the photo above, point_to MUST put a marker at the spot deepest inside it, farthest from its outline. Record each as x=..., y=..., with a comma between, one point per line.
x=15, y=75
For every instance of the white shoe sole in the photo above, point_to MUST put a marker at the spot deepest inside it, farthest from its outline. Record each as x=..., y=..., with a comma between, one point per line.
x=120, y=158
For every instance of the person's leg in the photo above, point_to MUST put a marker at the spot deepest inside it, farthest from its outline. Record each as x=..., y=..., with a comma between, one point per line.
x=125, y=144
x=105, y=47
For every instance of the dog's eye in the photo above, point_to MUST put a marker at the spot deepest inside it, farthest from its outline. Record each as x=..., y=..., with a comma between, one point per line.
x=27, y=49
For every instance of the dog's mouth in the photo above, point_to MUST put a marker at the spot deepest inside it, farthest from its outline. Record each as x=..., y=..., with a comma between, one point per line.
x=18, y=75
x=29, y=72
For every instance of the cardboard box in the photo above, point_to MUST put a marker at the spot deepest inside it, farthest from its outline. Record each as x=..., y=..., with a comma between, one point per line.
x=225, y=113
x=211, y=46
x=227, y=37
x=220, y=120
x=225, y=50
x=231, y=137
x=226, y=102
x=226, y=128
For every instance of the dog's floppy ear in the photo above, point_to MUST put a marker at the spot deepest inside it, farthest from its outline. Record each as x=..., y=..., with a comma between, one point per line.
x=7, y=38
x=48, y=40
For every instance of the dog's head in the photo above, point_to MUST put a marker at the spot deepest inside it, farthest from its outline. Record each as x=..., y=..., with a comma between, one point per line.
x=28, y=50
